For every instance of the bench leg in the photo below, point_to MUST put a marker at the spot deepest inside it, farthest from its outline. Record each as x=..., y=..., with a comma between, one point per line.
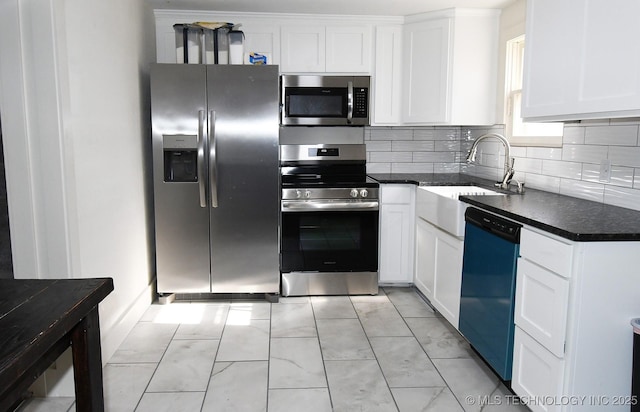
x=87, y=363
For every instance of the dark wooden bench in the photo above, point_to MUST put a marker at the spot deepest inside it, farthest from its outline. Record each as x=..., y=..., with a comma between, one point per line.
x=39, y=320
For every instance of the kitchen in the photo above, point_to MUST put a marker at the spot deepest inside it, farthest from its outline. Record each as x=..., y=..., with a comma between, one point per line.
x=78, y=230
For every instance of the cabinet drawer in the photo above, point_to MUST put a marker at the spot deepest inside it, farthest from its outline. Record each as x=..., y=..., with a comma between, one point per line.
x=537, y=374
x=542, y=300
x=546, y=252
x=396, y=194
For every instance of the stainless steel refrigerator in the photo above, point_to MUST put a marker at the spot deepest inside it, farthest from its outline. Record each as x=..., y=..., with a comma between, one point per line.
x=216, y=178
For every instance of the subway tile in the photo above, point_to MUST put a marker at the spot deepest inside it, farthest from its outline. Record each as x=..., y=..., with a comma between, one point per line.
x=434, y=157
x=378, y=146
x=551, y=153
x=412, y=146
x=621, y=135
x=620, y=176
x=526, y=165
x=489, y=159
x=447, y=146
x=625, y=156
x=573, y=134
x=424, y=134
x=519, y=151
x=391, y=157
x=378, y=167
x=570, y=170
x=391, y=134
x=414, y=167
x=584, y=153
x=446, y=167
x=452, y=133
x=542, y=182
x=583, y=190
x=622, y=196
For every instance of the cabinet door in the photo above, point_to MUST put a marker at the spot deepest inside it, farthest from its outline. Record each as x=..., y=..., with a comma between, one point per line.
x=425, y=258
x=387, y=76
x=426, y=72
x=542, y=300
x=263, y=39
x=448, y=276
x=581, y=59
x=537, y=374
x=396, y=244
x=302, y=48
x=348, y=49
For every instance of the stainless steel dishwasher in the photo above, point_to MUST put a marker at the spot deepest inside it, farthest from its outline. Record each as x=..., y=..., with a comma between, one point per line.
x=491, y=248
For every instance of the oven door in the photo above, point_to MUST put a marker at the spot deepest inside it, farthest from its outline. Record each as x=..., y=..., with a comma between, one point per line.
x=320, y=238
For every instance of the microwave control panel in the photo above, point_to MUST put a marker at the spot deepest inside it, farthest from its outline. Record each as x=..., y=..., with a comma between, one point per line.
x=360, y=102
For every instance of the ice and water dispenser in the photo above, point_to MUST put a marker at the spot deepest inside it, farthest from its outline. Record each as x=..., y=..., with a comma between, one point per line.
x=180, y=158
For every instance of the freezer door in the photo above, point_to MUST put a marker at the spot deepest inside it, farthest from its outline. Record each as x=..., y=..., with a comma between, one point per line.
x=243, y=104
x=178, y=106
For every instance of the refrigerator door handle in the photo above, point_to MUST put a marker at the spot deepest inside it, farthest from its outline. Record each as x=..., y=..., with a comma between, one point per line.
x=202, y=188
x=213, y=166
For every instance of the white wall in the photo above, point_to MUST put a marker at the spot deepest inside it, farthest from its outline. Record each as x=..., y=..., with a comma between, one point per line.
x=74, y=103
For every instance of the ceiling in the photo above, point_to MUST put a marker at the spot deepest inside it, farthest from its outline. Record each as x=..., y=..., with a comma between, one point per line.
x=344, y=7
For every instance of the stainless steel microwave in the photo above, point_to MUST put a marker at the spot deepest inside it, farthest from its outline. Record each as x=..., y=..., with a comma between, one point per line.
x=319, y=100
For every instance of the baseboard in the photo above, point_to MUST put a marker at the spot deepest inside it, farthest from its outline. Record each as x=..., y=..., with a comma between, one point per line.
x=113, y=338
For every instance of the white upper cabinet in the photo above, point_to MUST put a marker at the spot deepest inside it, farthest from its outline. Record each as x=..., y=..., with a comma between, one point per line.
x=450, y=67
x=386, y=80
x=326, y=48
x=582, y=59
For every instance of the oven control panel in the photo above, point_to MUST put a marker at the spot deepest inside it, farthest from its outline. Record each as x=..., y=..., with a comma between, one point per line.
x=330, y=193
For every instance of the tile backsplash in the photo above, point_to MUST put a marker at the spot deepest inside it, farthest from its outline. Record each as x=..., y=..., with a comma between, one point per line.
x=575, y=169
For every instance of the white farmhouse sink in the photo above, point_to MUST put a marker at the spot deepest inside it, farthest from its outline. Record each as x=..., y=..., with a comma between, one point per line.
x=439, y=205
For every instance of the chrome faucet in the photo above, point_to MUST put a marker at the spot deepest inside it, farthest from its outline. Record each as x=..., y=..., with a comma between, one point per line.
x=508, y=160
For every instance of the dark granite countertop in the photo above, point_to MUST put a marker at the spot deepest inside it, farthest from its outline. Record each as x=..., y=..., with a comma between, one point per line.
x=568, y=217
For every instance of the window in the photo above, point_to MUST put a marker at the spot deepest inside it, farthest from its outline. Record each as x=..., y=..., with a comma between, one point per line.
x=518, y=132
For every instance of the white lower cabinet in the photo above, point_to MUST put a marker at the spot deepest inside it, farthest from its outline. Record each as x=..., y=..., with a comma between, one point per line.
x=573, y=344
x=397, y=232
x=536, y=372
x=439, y=269
x=541, y=305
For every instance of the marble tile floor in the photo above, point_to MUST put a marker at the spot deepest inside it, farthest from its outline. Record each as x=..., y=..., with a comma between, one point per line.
x=389, y=352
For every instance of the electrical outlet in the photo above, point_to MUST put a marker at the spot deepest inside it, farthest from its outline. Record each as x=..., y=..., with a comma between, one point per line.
x=605, y=170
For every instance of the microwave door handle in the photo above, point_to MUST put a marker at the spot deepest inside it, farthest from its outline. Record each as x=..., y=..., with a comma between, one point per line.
x=350, y=102
x=213, y=158
x=200, y=160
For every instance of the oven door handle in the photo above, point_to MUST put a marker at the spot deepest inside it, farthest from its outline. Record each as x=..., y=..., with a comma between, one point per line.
x=310, y=205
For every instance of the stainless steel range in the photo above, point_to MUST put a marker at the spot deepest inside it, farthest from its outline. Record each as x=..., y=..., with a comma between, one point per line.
x=329, y=235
